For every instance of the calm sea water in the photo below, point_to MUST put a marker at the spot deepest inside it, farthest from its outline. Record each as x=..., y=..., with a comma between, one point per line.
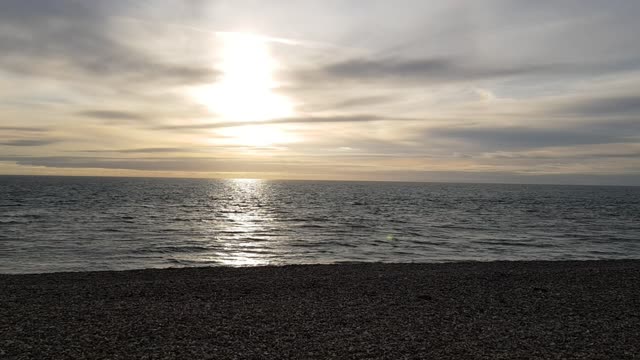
x=69, y=224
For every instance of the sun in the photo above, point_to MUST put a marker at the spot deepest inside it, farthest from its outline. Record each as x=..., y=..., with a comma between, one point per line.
x=246, y=90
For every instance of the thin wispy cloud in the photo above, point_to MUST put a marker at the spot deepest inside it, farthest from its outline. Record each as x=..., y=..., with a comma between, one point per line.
x=112, y=115
x=29, y=142
x=22, y=129
x=604, y=106
x=292, y=120
x=226, y=34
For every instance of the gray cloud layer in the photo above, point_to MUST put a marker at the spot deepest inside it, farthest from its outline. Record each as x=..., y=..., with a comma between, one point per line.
x=435, y=69
x=22, y=129
x=604, y=106
x=70, y=38
x=112, y=115
x=521, y=137
x=29, y=142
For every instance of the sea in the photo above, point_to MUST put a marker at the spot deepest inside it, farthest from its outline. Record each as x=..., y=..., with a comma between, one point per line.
x=53, y=224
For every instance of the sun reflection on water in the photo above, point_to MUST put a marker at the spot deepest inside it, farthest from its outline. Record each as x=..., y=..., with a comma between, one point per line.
x=248, y=225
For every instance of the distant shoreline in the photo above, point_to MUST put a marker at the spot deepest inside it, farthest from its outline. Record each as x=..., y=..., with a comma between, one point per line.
x=320, y=180
x=504, y=309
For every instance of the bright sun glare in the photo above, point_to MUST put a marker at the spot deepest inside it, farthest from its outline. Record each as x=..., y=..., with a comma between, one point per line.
x=246, y=91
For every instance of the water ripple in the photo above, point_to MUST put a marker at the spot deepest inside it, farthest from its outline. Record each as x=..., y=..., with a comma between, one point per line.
x=70, y=224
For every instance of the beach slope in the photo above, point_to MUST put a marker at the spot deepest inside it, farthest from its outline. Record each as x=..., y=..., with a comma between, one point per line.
x=547, y=310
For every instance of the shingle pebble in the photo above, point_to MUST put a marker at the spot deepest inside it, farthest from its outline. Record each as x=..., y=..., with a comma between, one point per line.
x=496, y=310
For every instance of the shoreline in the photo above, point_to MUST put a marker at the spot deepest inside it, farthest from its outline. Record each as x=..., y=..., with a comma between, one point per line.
x=496, y=309
x=338, y=264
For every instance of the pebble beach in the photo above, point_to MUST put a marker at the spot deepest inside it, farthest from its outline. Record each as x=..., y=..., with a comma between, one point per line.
x=493, y=310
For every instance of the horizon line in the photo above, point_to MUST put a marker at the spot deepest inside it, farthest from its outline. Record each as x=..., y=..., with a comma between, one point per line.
x=315, y=180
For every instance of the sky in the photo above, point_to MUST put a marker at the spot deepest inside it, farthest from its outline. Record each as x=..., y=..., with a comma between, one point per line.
x=463, y=91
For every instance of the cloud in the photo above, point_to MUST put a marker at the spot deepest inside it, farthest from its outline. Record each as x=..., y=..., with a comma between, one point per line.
x=445, y=69
x=291, y=120
x=144, y=150
x=603, y=106
x=188, y=164
x=16, y=10
x=562, y=153
x=523, y=137
x=23, y=129
x=67, y=39
x=112, y=115
x=507, y=177
x=364, y=101
x=29, y=142
x=432, y=68
x=442, y=88
x=403, y=70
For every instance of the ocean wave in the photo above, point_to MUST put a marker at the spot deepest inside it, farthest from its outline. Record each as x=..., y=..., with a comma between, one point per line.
x=13, y=222
x=534, y=244
x=173, y=249
x=139, y=223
